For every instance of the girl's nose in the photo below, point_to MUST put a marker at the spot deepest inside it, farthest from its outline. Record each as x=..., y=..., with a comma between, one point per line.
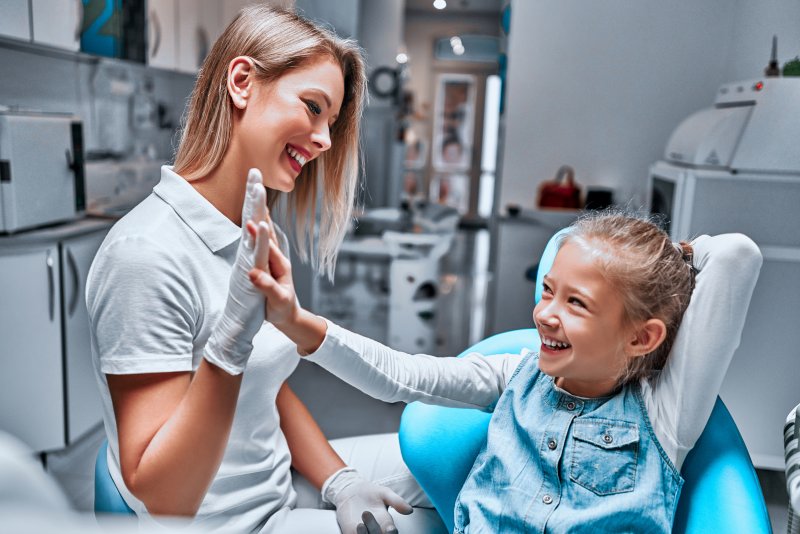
x=321, y=137
x=545, y=315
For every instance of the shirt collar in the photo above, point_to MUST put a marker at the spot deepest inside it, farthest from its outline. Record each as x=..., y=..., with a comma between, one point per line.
x=210, y=225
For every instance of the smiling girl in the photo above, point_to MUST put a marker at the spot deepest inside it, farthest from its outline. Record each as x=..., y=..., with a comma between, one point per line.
x=199, y=419
x=591, y=426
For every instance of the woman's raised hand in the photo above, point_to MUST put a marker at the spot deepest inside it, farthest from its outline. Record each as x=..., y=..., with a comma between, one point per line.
x=231, y=341
x=274, y=278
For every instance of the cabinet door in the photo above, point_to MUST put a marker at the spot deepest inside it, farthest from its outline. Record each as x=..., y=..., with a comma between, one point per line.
x=57, y=22
x=83, y=406
x=31, y=381
x=162, y=38
x=15, y=20
x=199, y=25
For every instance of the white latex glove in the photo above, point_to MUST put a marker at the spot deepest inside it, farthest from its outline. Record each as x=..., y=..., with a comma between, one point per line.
x=231, y=341
x=361, y=505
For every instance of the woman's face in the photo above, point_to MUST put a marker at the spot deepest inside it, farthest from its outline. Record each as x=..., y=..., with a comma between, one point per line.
x=286, y=123
x=580, y=323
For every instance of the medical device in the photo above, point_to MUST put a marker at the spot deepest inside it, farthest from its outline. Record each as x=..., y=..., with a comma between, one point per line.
x=735, y=167
x=41, y=169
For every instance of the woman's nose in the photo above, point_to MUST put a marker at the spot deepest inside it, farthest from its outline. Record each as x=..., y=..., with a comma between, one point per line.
x=321, y=137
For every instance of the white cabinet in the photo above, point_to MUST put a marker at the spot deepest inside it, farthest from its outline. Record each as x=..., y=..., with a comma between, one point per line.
x=31, y=384
x=15, y=20
x=57, y=23
x=199, y=25
x=48, y=394
x=83, y=409
x=162, y=35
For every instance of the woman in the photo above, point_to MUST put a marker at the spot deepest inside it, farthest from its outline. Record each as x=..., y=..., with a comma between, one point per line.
x=199, y=419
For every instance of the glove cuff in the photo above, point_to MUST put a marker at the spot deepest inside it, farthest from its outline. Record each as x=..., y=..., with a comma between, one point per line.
x=215, y=354
x=338, y=481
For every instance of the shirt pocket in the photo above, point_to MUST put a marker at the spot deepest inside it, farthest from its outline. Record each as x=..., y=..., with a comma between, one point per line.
x=605, y=455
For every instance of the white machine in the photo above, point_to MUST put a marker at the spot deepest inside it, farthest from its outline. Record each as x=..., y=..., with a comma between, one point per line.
x=735, y=167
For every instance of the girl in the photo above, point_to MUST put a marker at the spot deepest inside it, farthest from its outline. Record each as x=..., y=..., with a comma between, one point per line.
x=199, y=419
x=590, y=428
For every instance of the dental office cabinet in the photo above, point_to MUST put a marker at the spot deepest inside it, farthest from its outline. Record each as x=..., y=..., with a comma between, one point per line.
x=48, y=395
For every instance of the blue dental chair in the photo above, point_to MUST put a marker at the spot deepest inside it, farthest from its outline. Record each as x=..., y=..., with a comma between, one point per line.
x=107, y=499
x=721, y=492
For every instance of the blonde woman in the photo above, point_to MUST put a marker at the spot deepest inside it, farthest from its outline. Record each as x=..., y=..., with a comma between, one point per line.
x=199, y=419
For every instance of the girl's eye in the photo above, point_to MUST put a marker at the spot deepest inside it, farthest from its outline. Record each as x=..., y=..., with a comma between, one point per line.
x=546, y=289
x=577, y=302
x=315, y=109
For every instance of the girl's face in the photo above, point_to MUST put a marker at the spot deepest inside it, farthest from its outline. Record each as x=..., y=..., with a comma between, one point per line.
x=580, y=323
x=286, y=123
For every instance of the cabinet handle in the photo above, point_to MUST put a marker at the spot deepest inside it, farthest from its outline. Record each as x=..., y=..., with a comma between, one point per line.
x=156, y=33
x=76, y=283
x=51, y=284
x=79, y=20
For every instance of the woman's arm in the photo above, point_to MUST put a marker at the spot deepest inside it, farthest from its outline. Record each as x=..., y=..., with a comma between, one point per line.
x=709, y=334
x=173, y=429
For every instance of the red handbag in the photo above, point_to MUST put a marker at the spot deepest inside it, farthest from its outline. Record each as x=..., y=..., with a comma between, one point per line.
x=561, y=192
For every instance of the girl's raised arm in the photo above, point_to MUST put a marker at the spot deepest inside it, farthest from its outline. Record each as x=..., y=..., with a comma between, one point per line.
x=687, y=388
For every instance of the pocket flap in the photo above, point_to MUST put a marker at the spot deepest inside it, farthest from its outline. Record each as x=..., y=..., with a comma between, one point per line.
x=605, y=433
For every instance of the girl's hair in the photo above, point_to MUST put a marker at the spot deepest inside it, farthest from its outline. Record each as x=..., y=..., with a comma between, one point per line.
x=653, y=275
x=278, y=41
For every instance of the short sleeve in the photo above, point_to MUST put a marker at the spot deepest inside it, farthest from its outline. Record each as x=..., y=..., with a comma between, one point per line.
x=141, y=307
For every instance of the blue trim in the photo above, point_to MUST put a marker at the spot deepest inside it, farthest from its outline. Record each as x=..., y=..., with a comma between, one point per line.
x=107, y=499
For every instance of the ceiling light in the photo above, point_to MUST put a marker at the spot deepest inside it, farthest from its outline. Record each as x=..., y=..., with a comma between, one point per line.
x=439, y=4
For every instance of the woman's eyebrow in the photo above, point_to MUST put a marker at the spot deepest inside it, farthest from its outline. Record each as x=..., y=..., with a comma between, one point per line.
x=324, y=95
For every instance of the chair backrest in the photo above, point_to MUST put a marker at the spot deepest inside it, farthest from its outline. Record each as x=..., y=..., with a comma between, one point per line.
x=107, y=499
x=721, y=492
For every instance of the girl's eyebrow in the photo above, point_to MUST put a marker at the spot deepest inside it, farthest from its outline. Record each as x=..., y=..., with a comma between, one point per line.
x=583, y=294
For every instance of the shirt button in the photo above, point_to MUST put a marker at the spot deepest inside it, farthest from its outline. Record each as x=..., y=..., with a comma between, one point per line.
x=607, y=438
x=547, y=499
x=570, y=405
x=552, y=444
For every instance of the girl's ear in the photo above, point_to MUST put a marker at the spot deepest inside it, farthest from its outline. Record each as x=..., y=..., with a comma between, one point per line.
x=647, y=337
x=240, y=80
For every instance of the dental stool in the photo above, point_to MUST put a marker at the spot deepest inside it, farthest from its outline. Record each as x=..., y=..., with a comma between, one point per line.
x=791, y=440
x=107, y=499
x=721, y=492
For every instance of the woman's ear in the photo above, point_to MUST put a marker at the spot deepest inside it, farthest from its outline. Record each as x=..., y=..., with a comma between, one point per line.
x=241, y=73
x=647, y=337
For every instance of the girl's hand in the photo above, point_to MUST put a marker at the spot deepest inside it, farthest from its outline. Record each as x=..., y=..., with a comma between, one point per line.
x=274, y=280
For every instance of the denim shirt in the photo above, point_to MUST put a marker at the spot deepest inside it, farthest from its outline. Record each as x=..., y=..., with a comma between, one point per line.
x=554, y=462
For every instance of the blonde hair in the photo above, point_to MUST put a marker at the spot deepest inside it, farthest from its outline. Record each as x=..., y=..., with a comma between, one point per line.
x=278, y=41
x=654, y=276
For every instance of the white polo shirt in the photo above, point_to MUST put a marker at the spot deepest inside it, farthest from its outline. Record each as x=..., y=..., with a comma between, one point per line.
x=154, y=292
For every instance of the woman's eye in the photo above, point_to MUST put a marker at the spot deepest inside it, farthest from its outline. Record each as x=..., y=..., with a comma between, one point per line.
x=314, y=107
x=546, y=289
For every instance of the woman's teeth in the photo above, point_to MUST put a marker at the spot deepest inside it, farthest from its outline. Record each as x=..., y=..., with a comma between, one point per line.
x=555, y=344
x=296, y=155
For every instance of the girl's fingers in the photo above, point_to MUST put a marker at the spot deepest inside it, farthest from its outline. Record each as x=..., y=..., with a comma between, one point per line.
x=261, y=260
x=272, y=234
x=278, y=264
